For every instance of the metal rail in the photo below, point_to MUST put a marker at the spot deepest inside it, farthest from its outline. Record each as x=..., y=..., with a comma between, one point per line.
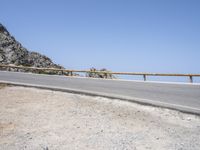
x=70, y=72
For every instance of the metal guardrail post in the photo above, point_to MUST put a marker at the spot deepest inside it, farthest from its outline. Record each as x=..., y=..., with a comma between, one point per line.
x=71, y=73
x=191, y=79
x=145, y=77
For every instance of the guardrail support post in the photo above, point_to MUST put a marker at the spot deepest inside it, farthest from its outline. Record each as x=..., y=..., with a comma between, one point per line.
x=191, y=79
x=145, y=78
x=70, y=73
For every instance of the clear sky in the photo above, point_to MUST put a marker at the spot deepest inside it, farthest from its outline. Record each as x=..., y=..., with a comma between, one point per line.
x=120, y=35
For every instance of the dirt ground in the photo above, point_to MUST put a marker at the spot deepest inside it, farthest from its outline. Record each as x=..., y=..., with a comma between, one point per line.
x=35, y=119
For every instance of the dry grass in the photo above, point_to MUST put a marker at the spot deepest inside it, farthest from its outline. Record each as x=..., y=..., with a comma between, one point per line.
x=3, y=85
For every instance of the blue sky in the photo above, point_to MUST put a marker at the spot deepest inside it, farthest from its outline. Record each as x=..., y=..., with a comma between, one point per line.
x=120, y=35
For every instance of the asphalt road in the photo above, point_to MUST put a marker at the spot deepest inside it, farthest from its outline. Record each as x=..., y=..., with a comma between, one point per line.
x=184, y=97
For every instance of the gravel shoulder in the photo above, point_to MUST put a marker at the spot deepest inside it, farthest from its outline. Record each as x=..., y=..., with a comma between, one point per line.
x=33, y=119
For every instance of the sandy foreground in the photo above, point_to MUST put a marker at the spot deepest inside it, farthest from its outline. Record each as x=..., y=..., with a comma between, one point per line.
x=35, y=119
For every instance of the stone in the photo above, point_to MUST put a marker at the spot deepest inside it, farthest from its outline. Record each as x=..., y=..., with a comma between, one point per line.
x=1, y=58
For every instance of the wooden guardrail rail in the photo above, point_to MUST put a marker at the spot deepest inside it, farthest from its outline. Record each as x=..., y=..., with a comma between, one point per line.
x=70, y=72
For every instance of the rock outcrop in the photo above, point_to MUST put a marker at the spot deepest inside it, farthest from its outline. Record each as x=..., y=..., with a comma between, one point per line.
x=102, y=73
x=12, y=52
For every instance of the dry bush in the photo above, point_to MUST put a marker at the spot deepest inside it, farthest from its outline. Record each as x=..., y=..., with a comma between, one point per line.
x=102, y=73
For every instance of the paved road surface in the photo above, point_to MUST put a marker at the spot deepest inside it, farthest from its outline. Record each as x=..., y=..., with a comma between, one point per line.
x=184, y=97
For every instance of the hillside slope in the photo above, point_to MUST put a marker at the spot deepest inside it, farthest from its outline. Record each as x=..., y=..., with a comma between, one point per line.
x=12, y=52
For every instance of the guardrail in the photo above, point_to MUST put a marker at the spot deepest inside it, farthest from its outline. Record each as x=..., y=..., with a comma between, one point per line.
x=70, y=72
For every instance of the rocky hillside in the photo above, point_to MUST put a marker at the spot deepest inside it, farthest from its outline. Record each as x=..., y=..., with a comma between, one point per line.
x=12, y=52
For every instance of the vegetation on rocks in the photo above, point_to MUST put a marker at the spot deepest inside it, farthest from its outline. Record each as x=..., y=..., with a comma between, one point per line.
x=102, y=73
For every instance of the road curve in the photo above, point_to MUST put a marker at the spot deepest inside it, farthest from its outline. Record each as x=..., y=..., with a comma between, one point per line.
x=183, y=97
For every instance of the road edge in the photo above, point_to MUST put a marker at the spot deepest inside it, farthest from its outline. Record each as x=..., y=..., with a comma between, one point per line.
x=148, y=102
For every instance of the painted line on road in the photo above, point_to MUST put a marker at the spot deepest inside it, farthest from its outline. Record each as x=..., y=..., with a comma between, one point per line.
x=185, y=109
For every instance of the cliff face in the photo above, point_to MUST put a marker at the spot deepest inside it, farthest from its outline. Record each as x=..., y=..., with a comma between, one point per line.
x=12, y=52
